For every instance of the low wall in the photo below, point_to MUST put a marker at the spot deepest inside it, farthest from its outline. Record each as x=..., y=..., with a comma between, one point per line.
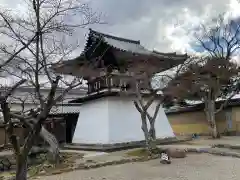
x=4, y=138
x=236, y=117
x=122, y=146
x=186, y=123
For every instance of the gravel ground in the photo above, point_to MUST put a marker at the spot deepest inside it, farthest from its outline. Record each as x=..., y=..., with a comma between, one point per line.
x=193, y=167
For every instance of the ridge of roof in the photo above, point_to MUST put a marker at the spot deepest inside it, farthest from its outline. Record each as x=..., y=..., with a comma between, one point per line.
x=200, y=106
x=170, y=54
x=114, y=37
x=142, y=49
x=120, y=44
x=82, y=88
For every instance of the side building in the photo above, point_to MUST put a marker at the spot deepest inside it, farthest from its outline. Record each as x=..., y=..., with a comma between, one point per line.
x=61, y=121
x=192, y=119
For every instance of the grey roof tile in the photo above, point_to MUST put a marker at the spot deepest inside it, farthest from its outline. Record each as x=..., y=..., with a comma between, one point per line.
x=132, y=46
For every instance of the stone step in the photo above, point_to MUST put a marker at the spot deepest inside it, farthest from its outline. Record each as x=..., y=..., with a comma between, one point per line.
x=206, y=149
x=224, y=152
x=215, y=151
x=123, y=146
x=228, y=146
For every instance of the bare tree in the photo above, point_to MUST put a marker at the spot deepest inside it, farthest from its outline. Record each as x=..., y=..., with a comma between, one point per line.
x=207, y=82
x=38, y=38
x=214, y=75
x=142, y=103
x=149, y=90
x=222, y=43
x=222, y=40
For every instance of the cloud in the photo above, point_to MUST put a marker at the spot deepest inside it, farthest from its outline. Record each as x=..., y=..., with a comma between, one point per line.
x=164, y=25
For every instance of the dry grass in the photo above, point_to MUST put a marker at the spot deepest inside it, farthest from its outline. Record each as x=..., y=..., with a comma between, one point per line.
x=193, y=167
x=138, y=153
x=67, y=161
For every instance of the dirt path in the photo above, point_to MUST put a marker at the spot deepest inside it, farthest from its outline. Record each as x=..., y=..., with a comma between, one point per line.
x=194, y=167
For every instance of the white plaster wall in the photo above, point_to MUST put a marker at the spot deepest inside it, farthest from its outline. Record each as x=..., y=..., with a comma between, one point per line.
x=162, y=125
x=92, y=125
x=115, y=120
x=125, y=121
x=16, y=107
x=26, y=95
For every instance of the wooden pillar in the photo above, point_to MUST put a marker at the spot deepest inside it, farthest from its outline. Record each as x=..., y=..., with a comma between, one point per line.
x=97, y=85
x=89, y=88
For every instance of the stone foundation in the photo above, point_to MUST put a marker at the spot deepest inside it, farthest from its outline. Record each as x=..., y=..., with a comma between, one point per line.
x=121, y=146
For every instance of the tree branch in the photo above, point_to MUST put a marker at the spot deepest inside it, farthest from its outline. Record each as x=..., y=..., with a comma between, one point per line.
x=153, y=118
x=14, y=87
x=227, y=100
x=41, y=117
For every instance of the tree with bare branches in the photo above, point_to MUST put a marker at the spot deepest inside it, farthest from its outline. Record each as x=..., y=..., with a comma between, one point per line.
x=221, y=39
x=149, y=91
x=142, y=103
x=35, y=40
x=214, y=75
x=207, y=83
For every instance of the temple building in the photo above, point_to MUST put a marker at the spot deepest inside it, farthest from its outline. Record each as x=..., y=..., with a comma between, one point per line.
x=110, y=65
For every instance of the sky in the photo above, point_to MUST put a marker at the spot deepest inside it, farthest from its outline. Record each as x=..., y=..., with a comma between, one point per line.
x=163, y=25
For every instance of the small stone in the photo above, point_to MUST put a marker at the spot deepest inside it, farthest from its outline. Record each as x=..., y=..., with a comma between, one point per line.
x=165, y=162
x=43, y=171
x=90, y=161
x=176, y=153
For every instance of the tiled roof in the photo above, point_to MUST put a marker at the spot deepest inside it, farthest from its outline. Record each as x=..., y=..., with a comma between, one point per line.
x=120, y=43
x=131, y=46
x=200, y=106
x=66, y=109
x=97, y=45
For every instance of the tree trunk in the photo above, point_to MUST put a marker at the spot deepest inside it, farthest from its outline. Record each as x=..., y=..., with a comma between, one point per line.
x=5, y=136
x=211, y=118
x=150, y=138
x=152, y=120
x=146, y=133
x=215, y=132
x=145, y=129
x=152, y=131
x=53, y=142
x=213, y=126
x=21, y=172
